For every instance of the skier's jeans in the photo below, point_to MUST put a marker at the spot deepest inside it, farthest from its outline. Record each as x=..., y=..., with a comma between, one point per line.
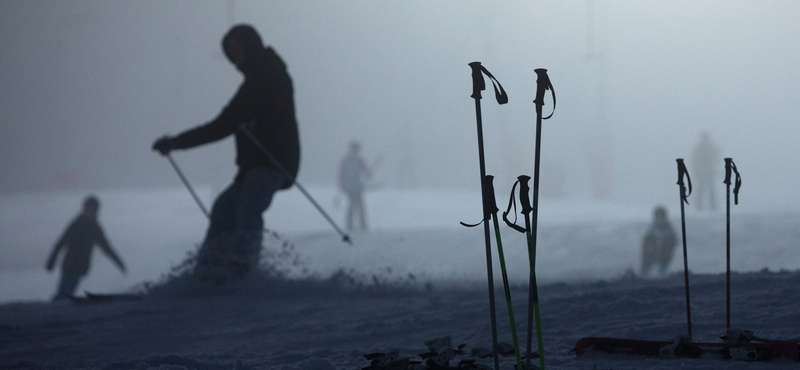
x=238, y=209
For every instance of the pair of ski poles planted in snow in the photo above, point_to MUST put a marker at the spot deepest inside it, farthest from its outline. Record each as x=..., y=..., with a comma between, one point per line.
x=730, y=169
x=277, y=164
x=530, y=213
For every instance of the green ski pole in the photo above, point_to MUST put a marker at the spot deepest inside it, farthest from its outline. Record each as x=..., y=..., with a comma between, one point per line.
x=533, y=293
x=542, y=85
x=491, y=203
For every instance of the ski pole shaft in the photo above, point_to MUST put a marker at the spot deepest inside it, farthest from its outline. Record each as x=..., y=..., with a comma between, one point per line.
x=542, y=85
x=478, y=85
x=279, y=166
x=683, y=196
x=188, y=185
x=492, y=204
x=729, y=168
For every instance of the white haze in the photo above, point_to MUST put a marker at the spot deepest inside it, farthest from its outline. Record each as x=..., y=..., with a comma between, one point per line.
x=87, y=86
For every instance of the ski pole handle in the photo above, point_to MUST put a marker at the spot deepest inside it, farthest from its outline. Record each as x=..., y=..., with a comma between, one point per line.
x=490, y=204
x=731, y=167
x=681, y=173
x=478, y=84
x=542, y=85
x=524, y=189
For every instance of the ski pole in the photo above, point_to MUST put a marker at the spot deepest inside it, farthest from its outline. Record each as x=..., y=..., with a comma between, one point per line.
x=188, y=185
x=684, y=195
x=729, y=166
x=533, y=293
x=491, y=203
x=263, y=149
x=478, y=85
x=542, y=85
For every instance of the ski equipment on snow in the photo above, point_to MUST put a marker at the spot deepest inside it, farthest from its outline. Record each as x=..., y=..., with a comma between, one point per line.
x=682, y=172
x=478, y=85
x=542, y=85
x=729, y=167
x=533, y=293
x=490, y=202
x=682, y=347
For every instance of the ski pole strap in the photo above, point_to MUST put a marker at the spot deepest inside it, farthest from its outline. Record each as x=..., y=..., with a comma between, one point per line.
x=489, y=203
x=729, y=165
x=478, y=84
x=543, y=84
x=681, y=173
x=512, y=202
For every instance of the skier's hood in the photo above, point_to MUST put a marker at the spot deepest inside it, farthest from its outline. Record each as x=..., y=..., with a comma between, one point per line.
x=251, y=45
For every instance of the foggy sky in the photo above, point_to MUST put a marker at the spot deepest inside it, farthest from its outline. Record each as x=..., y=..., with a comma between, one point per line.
x=87, y=86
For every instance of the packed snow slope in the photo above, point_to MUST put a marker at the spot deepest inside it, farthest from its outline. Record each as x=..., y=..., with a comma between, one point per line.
x=417, y=275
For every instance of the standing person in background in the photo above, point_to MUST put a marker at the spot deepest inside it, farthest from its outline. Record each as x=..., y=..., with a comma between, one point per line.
x=353, y=174
x=79, y=239
x=261, y=116
x=706, y=161
x=659, y=244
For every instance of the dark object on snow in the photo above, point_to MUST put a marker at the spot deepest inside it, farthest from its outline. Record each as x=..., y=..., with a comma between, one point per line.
x=261, y=113
x=659, y=244
x=106, y=298
x=478, y=85
x=729, y=167
x=682, y=172
x=683, y=348
x=79, y=239
x=353, y=174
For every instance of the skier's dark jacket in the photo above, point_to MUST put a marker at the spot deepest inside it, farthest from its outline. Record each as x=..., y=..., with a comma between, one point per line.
x=265, y=105
x=79, y=240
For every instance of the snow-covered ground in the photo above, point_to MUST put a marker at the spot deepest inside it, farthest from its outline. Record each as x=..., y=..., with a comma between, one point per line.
x=415, y=276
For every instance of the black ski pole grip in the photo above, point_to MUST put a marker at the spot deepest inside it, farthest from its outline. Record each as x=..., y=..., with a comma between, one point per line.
x=682, y=171
x=478, y=84
x=731, y=167
x=524, y=189
x=542, y=85
x=490, y=204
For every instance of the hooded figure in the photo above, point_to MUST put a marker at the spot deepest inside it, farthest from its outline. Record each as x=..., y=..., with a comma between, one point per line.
x=264, y=108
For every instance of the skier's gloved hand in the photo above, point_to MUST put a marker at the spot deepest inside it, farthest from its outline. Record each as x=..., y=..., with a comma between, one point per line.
x=163, y=145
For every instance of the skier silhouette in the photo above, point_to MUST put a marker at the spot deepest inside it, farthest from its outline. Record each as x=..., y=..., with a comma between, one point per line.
x=261, y=116
x=80, y=237
x=659, y=244
x=706, y=160
x=353, y=173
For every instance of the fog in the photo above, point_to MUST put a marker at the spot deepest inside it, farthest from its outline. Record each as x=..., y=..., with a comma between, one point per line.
x=87, y=86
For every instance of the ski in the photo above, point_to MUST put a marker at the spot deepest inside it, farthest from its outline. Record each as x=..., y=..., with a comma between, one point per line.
x=682, y=348
x=90, y=297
